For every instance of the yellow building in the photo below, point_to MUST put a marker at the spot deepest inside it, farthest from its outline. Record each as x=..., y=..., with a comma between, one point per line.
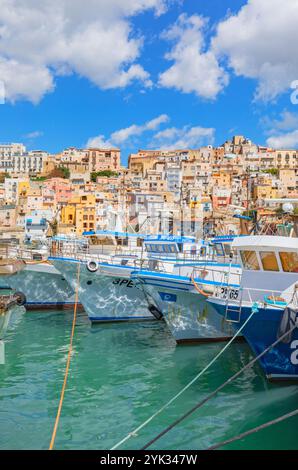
x=221, y=179
x=286, y=159
x=79, y=214
x=289, y=181
x=265, y=191
x=23, y=188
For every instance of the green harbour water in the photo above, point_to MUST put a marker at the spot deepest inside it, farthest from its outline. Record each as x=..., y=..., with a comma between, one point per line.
x=120, y=375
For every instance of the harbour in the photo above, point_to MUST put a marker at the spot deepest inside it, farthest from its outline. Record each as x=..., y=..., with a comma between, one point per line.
x=145, y=334
x=121, y=374
x=149, y=232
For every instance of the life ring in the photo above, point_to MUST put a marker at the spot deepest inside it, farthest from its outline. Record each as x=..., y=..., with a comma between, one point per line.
x=200, y=291
x=92, y=266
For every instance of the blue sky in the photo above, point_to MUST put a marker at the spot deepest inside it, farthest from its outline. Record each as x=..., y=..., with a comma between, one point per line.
x=159, y=73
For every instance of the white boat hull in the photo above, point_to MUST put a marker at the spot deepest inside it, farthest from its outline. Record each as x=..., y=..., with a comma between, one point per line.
x=107, y=295
x=188, y=316
x=43, y=286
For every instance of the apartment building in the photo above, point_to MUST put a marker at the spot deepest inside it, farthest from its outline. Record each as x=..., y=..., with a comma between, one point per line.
x=103, y=159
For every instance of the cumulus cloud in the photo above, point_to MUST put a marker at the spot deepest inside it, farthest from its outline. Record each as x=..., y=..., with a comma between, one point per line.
x=121, y=136
x=33, y=135
x=283, y=132
x=287, y=121
x=289, y=140
x=99, y=142
x=194, y=69
x=40, y=40
x=183, y=138
x=260, y=42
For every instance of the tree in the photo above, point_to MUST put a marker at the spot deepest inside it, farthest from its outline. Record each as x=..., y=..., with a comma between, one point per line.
x=107, y=173
x=60, y=172
x=3, y=176
x=271, y=171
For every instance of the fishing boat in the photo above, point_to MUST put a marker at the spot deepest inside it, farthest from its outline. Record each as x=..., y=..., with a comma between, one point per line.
x=106, y=289
x=268, y=293
x=181, y=297
x=42, y=285
x=8, y=303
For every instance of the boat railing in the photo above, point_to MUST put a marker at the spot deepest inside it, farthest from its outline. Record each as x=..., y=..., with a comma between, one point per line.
x=19, y=252
x=235, y=298
x=217, y=275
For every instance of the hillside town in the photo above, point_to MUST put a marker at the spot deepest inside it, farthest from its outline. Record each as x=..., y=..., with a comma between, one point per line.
x=182, y=191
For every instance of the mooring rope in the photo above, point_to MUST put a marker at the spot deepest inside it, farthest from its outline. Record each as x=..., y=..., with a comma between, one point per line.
x=254, y=430
x=135, y=431
x=211, y=395
x=68, y=361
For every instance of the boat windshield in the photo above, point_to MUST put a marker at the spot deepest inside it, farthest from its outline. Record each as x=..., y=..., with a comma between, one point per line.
x=289, y=261
x=250, y=260
x=269, y=261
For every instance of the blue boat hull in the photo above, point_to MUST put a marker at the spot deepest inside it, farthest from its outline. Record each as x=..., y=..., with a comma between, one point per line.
x=262, y=330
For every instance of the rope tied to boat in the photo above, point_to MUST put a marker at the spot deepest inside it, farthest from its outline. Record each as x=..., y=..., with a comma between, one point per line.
x=212, y=394
x=166, y=405
x=67, y=362
x=254, y=430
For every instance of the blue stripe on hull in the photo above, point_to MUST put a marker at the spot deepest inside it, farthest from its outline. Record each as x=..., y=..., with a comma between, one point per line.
x=119, y=319
x=50, y=303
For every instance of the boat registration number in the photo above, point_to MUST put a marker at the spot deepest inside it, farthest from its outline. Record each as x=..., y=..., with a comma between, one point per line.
x=226, y=293
x=124, y=282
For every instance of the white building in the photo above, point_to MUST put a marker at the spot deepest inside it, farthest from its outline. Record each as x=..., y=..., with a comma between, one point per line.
x=173, y=176
x=15, y=159
x=36, y=225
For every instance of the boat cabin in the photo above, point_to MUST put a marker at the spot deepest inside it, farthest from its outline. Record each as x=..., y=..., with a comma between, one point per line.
x=174, y=246
x=222, y=247
x=269, y=262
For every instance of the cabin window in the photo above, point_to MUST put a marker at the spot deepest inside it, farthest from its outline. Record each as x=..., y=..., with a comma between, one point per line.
x=219, y=249
x=269, y=261
x=289, y=261
x=250, y=260
x=227, y=249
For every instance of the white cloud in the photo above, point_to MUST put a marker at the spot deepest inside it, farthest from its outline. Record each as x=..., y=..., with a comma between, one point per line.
x=40, y=40
x=24, y=80
x=282, y=132
x=194, y=69
x=183, y=138
x=288, y=140
x=99, y=142
x=121, y=136
x=260, y=42
x=33, y=134
x=288, y=121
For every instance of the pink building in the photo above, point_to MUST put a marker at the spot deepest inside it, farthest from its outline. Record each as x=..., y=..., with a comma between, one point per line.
x=58, y=189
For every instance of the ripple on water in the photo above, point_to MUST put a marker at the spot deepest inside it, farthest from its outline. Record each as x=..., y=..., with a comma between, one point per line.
x=120, y=375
